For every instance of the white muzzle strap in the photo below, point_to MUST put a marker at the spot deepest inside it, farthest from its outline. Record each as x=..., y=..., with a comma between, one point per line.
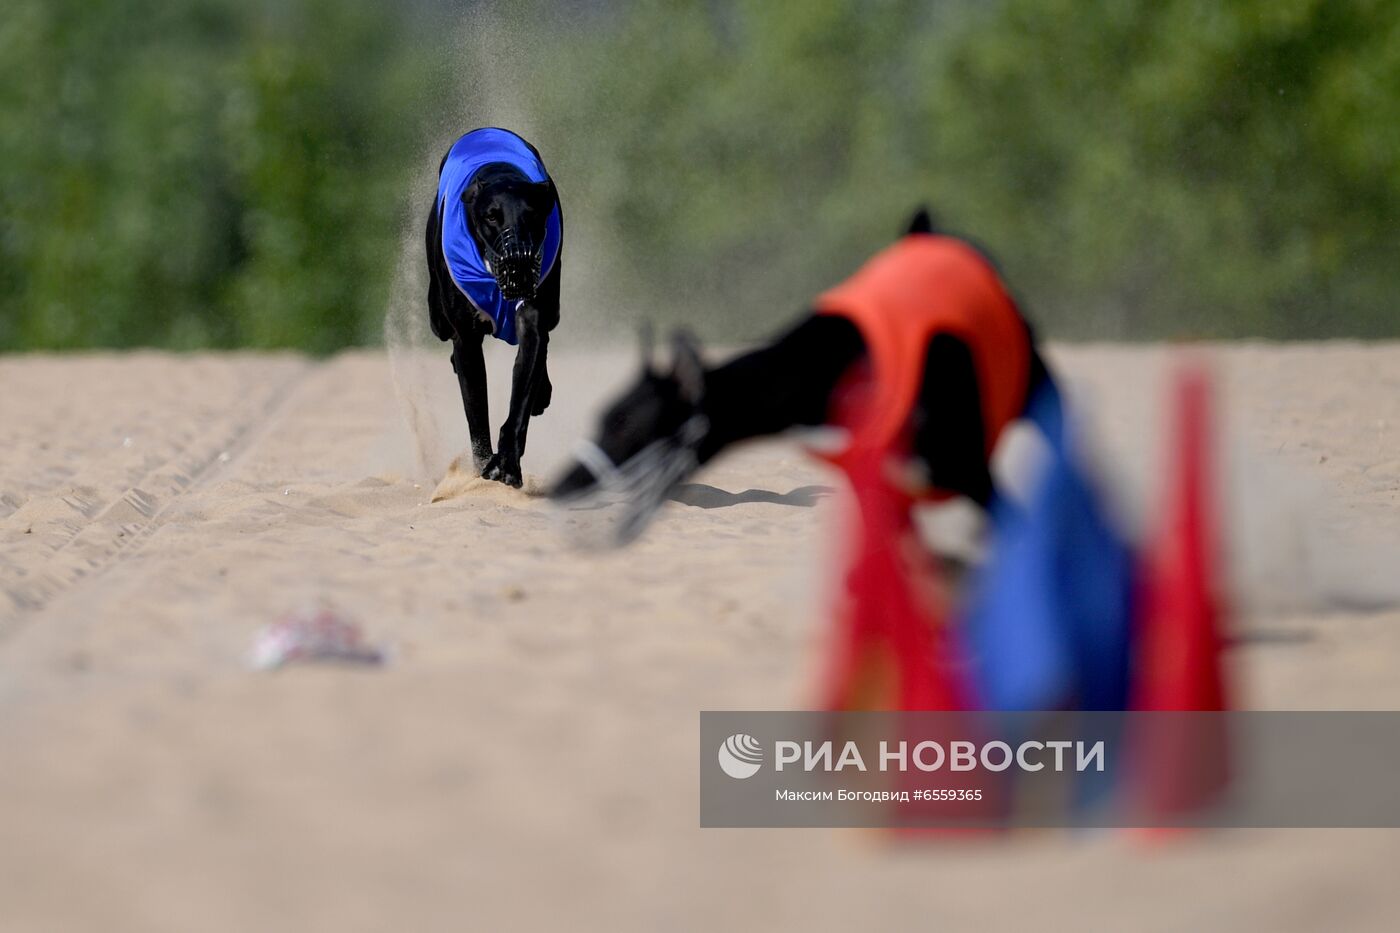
x=624, y=497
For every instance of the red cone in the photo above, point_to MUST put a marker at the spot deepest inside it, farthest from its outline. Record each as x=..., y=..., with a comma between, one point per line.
x=892, y=648
x=895, y=652
x=1178, y=668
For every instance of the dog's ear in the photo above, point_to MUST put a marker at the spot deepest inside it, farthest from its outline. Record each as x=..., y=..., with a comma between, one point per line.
x=687, y=369
x=472, y=191
x=541, y=195
x=921, y=222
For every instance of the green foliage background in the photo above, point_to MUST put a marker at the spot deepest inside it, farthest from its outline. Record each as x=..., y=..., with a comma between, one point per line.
x=1141, y=168
x=220, y=173
x=192, y=173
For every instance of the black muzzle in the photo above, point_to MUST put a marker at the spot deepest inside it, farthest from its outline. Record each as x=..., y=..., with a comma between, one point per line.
x=514, y=261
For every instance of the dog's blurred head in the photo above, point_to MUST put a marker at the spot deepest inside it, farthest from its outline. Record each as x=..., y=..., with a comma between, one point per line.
x=661, y=407
x=508, y=215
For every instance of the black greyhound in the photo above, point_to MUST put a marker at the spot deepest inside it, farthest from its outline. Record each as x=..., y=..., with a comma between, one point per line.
x=495, y=254
x=789, y=383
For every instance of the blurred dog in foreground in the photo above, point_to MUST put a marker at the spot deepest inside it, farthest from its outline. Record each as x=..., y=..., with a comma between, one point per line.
x=922, y=357
x=494, y=245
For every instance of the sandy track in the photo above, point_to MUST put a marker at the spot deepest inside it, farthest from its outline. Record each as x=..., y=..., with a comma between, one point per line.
x=104, y=505
x=528, y=758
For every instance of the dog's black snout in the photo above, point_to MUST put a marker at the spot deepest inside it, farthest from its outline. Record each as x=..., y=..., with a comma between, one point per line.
x=516, y=266
x=516, y=285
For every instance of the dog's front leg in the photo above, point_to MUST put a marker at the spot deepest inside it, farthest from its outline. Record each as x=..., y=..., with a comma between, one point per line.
x=543, y=392
x=470, y=366
x=529, y=362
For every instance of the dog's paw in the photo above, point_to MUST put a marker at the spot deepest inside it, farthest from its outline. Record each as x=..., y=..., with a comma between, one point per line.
x=542, y=396
x=504, y=470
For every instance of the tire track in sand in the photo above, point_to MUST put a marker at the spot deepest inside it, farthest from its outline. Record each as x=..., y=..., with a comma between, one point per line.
x=96, y=533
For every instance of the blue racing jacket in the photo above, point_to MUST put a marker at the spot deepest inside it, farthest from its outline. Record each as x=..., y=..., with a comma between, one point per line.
x=459, y=250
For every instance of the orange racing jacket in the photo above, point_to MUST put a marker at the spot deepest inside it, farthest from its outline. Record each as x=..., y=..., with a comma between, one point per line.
x=922, y=286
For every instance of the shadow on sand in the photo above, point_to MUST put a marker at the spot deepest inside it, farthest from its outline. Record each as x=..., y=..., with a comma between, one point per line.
x=712, y=497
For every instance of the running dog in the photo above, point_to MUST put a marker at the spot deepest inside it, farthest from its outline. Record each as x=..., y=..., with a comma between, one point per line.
x=494, y=243
x=922, y=356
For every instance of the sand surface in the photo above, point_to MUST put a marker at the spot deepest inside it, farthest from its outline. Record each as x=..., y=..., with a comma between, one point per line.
x=528, y=758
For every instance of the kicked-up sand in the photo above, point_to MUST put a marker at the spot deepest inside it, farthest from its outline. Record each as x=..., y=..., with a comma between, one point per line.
x=528, y=758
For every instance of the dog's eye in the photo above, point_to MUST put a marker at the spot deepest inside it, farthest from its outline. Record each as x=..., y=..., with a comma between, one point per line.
x=495, y=216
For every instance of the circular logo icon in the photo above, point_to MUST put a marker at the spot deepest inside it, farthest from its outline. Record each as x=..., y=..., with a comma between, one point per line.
x=740, y=756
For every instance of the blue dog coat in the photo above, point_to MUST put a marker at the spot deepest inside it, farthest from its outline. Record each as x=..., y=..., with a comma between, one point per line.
x=459, y=250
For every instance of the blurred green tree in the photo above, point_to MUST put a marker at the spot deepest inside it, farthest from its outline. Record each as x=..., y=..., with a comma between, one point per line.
x=202, y=172
x=1182, y=167
x=222, y=173
x=1142, y=168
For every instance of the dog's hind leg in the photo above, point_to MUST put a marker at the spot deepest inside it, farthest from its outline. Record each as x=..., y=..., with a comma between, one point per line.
x=467, y=360
x=439, y=284
x=949, y=434
x=470, y=366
